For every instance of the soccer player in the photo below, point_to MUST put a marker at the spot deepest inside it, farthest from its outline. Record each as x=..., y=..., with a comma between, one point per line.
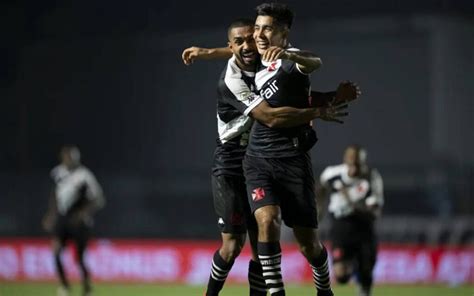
x=75, y=197
x=277, y=165
x=237, y=106
x=356, y=200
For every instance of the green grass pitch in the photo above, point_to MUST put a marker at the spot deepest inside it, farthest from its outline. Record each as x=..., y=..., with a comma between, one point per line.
x=48, y=289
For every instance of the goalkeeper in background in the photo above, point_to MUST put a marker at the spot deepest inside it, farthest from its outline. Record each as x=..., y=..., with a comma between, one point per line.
x=356, y=200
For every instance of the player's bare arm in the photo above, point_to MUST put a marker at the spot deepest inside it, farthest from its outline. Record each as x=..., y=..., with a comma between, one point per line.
x=306, y=61
x=284, y=117
x=193, y=53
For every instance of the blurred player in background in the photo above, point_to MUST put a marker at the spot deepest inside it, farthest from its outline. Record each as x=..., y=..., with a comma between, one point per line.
x=356, y=200
x=237, y=106
x=75, y=197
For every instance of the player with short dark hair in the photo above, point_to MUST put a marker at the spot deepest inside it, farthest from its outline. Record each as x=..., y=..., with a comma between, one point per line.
x=237, y=106
x=75, y=197
x=277, y=165
x=356, y=200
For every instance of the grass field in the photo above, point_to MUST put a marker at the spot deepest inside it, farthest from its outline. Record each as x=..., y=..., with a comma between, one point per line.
x=46, y=289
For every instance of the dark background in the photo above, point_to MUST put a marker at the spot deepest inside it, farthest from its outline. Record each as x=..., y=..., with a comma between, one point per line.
x=108, y=77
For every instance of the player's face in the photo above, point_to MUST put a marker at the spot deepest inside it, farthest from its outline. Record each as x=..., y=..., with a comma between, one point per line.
x=351, y=158
x=66, y=159
x=267, y=33
x=242, y=44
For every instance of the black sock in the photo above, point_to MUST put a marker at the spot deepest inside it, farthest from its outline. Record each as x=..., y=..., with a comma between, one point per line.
x=219, y=271
x=256, y=280
x=270, y=259
x=319, y=266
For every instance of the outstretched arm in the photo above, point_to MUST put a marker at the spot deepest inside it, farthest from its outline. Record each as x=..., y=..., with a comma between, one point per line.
x=284, y=117
x=306, y=61
x=193, y=53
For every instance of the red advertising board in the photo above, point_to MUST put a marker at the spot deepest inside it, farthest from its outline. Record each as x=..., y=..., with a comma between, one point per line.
x=189, y=262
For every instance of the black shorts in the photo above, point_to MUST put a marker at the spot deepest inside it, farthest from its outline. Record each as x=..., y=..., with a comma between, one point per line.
x=286, y=182
x=353, y=240
x=65, y=229
x=231, y=205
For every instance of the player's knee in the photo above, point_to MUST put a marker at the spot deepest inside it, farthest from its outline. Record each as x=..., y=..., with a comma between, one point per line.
x=365, y=278
x=269, y=222
x=343, y=278
x=342, y=272
x=231, y=250
x=310, y=250
x=307, y=250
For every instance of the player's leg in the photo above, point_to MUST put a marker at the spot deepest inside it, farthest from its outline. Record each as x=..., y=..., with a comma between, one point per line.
x=81, y=238
x=228, y=204
x=58, y=245
x=60, y=236
x=316, y=254
x=257, y=285
x=300, y=212
x=344, y=237
x=269, y=250
x=342, y=271
x=366, y=259
x=223, y=260
x=264, y=204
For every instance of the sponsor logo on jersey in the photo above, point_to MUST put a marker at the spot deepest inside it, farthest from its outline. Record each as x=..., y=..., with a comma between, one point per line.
x=258, y=194
x=270, y=90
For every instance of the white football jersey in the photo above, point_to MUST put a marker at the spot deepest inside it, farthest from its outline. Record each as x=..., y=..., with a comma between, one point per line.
x=346, y=190
x=70, y=183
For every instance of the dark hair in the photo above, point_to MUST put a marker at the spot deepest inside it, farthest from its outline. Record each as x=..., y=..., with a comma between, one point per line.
x=280, y=12
x=242, y=22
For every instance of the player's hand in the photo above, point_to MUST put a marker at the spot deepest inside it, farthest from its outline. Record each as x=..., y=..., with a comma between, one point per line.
x=274, y=53
x=192, y=53
x=346, y=92
x=334, y=113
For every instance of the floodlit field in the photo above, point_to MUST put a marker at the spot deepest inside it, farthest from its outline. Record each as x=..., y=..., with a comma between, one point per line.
x=46, y=289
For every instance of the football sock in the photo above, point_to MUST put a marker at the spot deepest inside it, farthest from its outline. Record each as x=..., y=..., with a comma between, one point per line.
x=256, y=280
x=270, y=259
x=219, y=271
x=319, y=266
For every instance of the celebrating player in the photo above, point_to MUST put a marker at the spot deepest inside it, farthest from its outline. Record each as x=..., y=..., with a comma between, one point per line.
x=277, y=165
x=356, y=200
x=236, y=106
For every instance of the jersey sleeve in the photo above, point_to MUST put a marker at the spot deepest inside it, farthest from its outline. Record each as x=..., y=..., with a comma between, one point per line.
x=235, y=91
x=325, y=176
x=376, y=184
x=94, y=190
x=292, y=67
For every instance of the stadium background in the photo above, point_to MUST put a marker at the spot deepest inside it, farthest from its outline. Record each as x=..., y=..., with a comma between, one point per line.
x=108, y=77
